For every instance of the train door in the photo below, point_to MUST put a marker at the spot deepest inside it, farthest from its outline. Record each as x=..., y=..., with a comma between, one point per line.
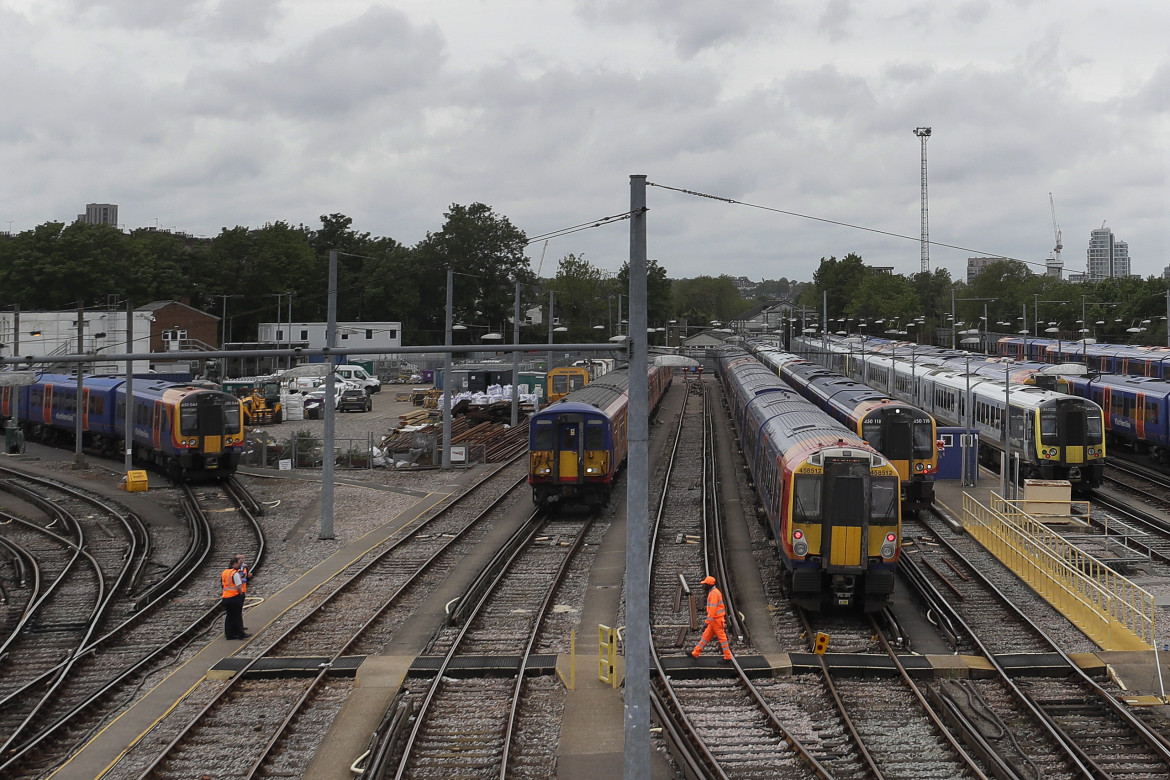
x=83, y=409
x=570, y=461
x=1139, y=416
x=202, y=415
x=156, y=424
x=47, y=405
x=1073, y=427
x=1107, y=406
x=845, y=498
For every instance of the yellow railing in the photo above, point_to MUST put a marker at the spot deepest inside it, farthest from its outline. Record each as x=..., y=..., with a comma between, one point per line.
x=1113, y=611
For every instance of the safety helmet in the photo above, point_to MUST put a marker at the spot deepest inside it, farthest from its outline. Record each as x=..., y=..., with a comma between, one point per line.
x=708, y=580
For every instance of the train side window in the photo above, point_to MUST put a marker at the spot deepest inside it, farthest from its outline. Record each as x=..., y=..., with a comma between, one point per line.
x=806, y=500
x=544, y=437
x=1151, y=413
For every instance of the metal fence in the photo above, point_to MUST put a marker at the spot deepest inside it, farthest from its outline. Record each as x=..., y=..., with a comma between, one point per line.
x=304, y=451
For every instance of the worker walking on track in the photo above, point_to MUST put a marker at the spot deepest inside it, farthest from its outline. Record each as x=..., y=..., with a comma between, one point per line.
x=716, y=620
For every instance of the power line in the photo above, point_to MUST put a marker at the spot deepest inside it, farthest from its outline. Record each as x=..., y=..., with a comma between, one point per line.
x=916, y=239
x=583, y=226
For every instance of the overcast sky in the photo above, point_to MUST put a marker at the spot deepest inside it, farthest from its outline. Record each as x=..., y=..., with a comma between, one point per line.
x=201, y=114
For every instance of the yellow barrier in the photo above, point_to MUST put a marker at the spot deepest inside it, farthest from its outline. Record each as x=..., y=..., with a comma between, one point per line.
x=1113, y=611
x=607, y=655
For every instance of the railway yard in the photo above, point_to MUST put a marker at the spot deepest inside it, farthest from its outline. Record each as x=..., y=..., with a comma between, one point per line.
x=450, y=629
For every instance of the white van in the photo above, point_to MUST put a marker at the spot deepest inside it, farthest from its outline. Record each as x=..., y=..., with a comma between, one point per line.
x=358, y=376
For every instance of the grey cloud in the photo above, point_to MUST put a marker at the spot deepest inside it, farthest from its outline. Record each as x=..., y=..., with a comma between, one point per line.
x=221, y=18
x=835, y=19
x=377, y=56
x=692, y=26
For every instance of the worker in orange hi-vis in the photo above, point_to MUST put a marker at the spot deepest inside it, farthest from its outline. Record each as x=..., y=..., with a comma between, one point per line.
x=716, y=621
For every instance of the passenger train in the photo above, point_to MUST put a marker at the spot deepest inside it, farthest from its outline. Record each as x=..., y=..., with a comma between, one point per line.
x=1136, y=408
x=1055, y=435
x=830, y=499
x=903, y=433
x=1105, y=358
x=577, y=445
x=188, y=430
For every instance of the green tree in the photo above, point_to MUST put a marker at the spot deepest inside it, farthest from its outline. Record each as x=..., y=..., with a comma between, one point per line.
x=659, y=308
x=579, y=288
x=487, y=252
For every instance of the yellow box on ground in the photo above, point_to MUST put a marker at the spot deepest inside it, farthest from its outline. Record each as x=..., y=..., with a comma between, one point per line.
x=135, y=482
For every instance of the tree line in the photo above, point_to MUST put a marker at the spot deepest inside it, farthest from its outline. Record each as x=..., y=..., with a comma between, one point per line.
x=1124, y=310
x=58, y=265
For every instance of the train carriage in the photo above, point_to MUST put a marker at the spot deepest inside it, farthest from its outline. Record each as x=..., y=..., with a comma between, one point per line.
x=577, y=445
x=830, y=499
x=1056, y=435
x=902, y=432
x=188, y=430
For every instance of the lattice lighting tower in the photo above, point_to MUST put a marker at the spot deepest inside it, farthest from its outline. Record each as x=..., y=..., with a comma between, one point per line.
x=924, y=133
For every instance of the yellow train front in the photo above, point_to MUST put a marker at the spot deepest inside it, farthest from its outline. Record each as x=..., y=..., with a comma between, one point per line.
x=577, y=446
x=564, y=380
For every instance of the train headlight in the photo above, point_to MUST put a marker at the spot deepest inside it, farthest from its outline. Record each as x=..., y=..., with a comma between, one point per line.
x=890, y=545
x=799, y=543
x=919, y=467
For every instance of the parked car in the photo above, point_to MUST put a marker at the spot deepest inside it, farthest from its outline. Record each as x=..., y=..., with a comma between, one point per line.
x=354, y=401
x=315, y=401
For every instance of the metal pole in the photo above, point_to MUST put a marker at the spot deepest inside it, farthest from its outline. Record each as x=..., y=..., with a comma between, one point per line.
x=1005, y=464
x=15, y=353
x=288, y=332
x=516, y=360
x=327, y=455
x=128, y=441
x=1036, y=317
x=637, y=698
x=954, y=318
x=550, y=330
x=79, y=407
x=447, y=383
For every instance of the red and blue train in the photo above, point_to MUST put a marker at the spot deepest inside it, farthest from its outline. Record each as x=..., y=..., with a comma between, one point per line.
x=577, y=445
x=187, y=430
x=831, y=500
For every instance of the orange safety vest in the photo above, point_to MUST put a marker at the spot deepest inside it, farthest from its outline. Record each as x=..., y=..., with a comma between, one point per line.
x=716, y=611
x=228, y=580
x=244, y=580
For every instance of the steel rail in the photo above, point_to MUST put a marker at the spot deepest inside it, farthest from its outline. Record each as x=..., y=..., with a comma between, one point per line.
x=528, y=530
x=351, y=582
x=671, y=703
x=142, y=664
x=1158, y=745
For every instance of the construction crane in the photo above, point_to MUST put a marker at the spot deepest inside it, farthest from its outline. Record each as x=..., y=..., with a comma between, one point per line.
x=1055, y=266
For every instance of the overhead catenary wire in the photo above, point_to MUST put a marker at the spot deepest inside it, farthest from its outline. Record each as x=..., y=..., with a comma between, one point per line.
x=851, y=226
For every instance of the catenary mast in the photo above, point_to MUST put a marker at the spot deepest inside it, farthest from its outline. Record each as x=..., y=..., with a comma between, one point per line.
x=924, y=133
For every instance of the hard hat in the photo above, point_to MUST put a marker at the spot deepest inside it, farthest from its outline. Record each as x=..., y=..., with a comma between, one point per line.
x=708, y=580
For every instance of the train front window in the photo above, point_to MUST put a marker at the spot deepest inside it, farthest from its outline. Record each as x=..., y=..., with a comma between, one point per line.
x=806, y=502
x=560, y=384
x=569, y=437
x=884, y=498
x=923, y=439
x=188, y=417
x=231, y=415
x=594, y=435
x=1049, y=428
x=1094, y=426
x=544, y=436
x=871, y=431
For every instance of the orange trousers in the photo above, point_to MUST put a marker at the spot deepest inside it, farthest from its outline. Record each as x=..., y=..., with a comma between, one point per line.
x=715, y=628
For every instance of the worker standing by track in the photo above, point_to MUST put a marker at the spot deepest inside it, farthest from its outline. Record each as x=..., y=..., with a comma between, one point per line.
x=233, y=600
x=716, y=620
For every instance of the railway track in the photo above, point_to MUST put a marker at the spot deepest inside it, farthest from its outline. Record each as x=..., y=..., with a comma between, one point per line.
x=146, y=629
x=360, y=606
x=1067, y=727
